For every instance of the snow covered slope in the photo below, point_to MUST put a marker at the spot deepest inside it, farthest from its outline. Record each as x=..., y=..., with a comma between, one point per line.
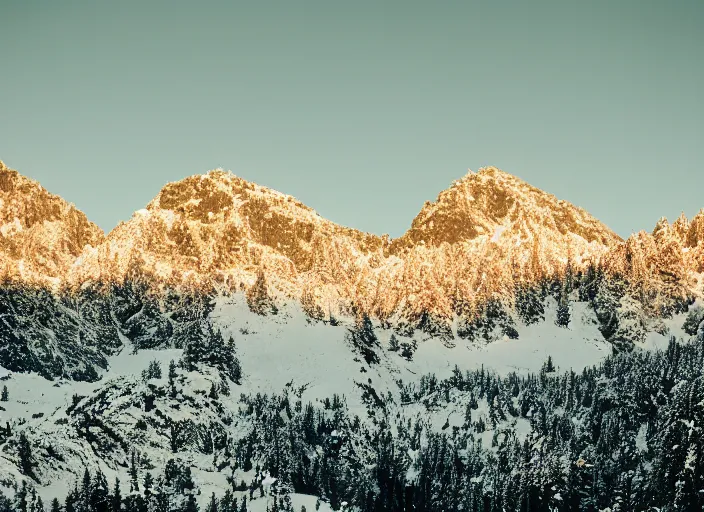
x=73, y=426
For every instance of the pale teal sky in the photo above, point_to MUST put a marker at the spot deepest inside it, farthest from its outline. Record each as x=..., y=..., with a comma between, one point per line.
x=362, y=110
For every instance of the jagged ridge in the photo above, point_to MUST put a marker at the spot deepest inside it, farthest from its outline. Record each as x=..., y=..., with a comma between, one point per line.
x=486, y=237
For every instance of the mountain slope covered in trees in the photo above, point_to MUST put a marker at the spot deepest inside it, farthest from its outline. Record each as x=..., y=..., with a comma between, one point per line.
x=228, y=349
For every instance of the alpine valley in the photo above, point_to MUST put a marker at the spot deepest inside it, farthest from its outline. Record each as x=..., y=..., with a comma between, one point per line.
x=227, y=349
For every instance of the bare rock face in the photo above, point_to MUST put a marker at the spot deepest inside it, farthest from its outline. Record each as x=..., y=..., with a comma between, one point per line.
x=482, y=203
x=41, y=235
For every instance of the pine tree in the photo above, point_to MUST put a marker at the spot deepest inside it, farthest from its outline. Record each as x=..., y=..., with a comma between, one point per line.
x=100, y=494
x=258, y=296
x=36, y=504
x=148, y=483
x=134, y=473
x=55, y=505
x=25, y=454
x=116, y=497
x=529, y=305
x=5, y=395
x=366, y=331
x=172, y=379
x=21, y=498
x=563, y=313
x=548, y=366
x=191, y=505
x=393, y=343
x=212, y=504
x=407, y=351
x=194, y=347
x=228, y=503
x=153, y=371
x=236, y=371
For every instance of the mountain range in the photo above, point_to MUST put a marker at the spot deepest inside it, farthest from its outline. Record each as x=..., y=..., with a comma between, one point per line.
x=486, y=235
x=269, y=316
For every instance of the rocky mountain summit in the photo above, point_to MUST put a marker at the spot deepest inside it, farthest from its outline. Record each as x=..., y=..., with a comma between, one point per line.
x=41, y=235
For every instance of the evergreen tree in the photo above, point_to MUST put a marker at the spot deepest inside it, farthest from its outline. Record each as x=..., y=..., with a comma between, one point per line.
x=529, y=305
x=194, y=347
x=25, y=454
x=563, y=299
x=153, y=371
x=99, y=494
x=258, y=297
x=236, y=371
x=21, y=496
x=228, y=503
x=172, y=371
x=212, y=504
x=393, y=343
x=116, y=497
x=191, y=504
x=4, y=396
x=563, y=312
x=407, y=350
x=172, y=379
x=148, y=483
x=366, y=331
x=134, y=473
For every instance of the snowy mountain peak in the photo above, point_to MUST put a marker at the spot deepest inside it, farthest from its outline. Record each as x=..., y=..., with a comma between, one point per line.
x=220, y=228
x=480, y=202
x=41, y=235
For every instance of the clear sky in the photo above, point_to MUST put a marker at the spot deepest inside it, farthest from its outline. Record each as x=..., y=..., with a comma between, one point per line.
x=361, y=109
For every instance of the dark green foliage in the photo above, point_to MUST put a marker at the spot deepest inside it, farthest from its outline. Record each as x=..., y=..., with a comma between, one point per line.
x=489, y=323
x=435, y=327
x=393, y=343
x=563, y=312
x=153, y=371
x=529, y=304
x=258, y=297
x=55, y=335
x=365, y=331
x=407, y=350
x=584, y=450
x=207, y=346
x=693, y=321
x=607, y=294
x=364, y=339
x=24, y=451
